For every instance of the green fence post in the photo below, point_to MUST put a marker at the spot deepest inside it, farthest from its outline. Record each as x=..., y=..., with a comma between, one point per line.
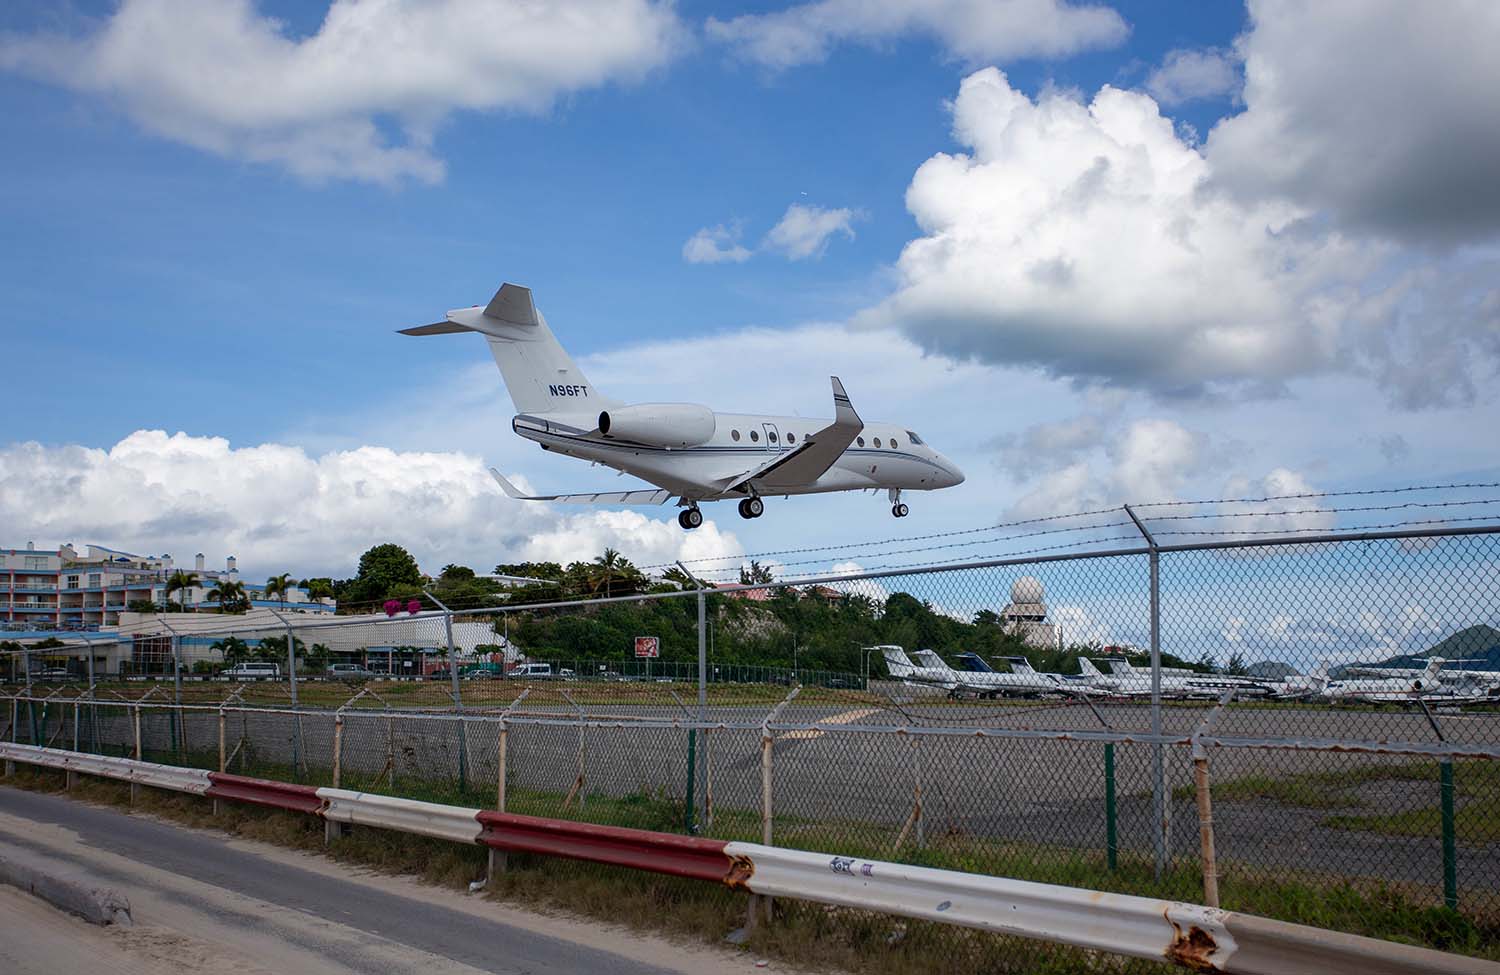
x=1111, y=841
x=1450, y=844
x=692, y=769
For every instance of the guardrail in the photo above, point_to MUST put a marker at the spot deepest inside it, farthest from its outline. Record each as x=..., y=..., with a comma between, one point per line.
x=1196, y=937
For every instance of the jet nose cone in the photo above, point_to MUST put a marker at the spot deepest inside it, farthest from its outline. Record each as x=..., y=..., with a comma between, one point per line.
x=950, y=475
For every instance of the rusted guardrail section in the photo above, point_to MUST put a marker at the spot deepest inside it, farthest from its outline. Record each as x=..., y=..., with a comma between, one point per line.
x=1200, y=938
x=639, y=849
x=264, y=792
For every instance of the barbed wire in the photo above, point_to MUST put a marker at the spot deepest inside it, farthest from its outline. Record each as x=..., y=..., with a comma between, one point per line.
x=1323, y=530
x=1326, y=511
x=1320, y=494
x=887, y=541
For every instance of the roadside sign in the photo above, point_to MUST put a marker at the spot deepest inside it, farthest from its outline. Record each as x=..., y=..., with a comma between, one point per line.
x=647, y=646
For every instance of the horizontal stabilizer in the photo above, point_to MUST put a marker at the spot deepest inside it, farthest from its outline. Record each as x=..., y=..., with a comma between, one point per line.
x=643, y=496
x=438, y=328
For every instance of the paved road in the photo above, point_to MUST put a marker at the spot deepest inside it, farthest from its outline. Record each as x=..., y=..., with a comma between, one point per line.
x=208, y=904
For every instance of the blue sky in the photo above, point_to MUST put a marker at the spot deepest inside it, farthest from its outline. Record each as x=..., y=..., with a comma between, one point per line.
x=170, y=265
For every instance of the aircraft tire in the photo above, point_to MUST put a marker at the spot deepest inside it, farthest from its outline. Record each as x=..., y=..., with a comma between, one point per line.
x=900, y=510
x=755, y=507
x=690, y=519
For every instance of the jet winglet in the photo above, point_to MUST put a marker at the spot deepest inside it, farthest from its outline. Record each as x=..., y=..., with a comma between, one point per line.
x=651, y=496
x=507, y=487
x=843, y=410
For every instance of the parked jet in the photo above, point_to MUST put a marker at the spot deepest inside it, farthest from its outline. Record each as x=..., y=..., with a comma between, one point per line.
x=900, y=667
x=1127, y=681
x=1296, y=687
x=1395, y=690
x=1481, y=679
x=686, y=450
x=1022, y=681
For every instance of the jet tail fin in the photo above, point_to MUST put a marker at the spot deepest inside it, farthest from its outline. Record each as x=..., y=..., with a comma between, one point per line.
x=974, y=662
x=1087, y=668
x=539, y=374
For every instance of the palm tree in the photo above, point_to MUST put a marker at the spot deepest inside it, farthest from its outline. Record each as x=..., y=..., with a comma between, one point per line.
x=277, y=586
x=229, y=594
x=319, y=589
x=233, y=648
x=181, y=581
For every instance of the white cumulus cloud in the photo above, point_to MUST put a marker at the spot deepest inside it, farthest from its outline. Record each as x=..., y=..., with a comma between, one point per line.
x=715, y=245
x=1380, y=112
x=223, y=77
x=970, y=30
x=1187, y=75
x=803, y=231
x=280, y=509
x=1087, y=238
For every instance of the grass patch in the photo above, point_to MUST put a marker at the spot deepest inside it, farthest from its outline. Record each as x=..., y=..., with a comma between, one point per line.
x=1475, y=779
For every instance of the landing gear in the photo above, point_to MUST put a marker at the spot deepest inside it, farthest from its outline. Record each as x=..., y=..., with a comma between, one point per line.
x=690, y=518
x=900, y=510
x=752, y=508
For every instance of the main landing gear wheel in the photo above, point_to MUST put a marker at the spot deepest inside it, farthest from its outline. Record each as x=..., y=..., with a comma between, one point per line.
x=752, y=508
x=900, y=510
x=690, y=518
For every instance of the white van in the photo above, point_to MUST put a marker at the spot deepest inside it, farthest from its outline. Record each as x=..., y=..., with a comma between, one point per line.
x=253, y=671
x=530, y=670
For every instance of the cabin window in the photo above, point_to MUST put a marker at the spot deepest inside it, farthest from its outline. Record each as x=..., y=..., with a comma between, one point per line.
x=754, y=436
x=771, y=435
x=734, y=435
x=914, y=438
x=861, y=440
x=877, y=441
x=791, y=438
x=895, y=443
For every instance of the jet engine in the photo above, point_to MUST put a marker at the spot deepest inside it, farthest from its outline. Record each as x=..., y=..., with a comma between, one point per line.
x=659, y=424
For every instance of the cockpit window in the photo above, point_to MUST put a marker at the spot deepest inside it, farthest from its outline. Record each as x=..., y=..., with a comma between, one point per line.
x=914, y=438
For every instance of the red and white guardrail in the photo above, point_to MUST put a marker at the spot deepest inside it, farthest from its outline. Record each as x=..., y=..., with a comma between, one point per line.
x=1200, y=938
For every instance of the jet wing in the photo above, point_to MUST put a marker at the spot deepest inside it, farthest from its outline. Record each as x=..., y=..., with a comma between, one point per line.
x=817, y=453
x=643, y=496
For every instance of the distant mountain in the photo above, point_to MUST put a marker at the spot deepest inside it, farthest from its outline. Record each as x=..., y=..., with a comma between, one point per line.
x=1472, y=648
x=1474, y=641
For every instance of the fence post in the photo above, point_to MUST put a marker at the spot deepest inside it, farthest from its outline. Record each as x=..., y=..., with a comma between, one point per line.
x=331, y=829
x=1162, y=825
x=15, y=721
x=1206, y=829
x=72, y=777
x=498, y=858
x=223, y=720
x=766, y=807
x=1450, y=844
x=291, y=664
x=135, y=789
x=458, y=699
x=1111, y=823
x=1445, y=790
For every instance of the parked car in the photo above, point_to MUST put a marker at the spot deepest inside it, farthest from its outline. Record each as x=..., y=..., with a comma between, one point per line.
x=482, y=671
x=257, y=670
x=51, y=674
x=533, y=671
x=349, y=672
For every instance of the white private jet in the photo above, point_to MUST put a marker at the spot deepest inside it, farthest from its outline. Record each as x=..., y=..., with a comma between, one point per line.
x=687, y=451
x=900, y=667
x=1397, y=690
x=1023, y=680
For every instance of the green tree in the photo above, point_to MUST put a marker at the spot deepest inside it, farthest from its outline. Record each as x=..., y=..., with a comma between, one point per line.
x=453, y=573
x=755, y=574
x=181, y=581
x=233, y=649
x=277, y=586
x=320, y=588
x=383, y=571
x=230, y=595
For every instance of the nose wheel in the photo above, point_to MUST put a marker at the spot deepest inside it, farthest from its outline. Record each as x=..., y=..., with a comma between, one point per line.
x=690, y=518
x=899, y=510
x=752, y=508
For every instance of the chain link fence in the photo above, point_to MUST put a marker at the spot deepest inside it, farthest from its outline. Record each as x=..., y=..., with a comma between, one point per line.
x=1253, y=721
